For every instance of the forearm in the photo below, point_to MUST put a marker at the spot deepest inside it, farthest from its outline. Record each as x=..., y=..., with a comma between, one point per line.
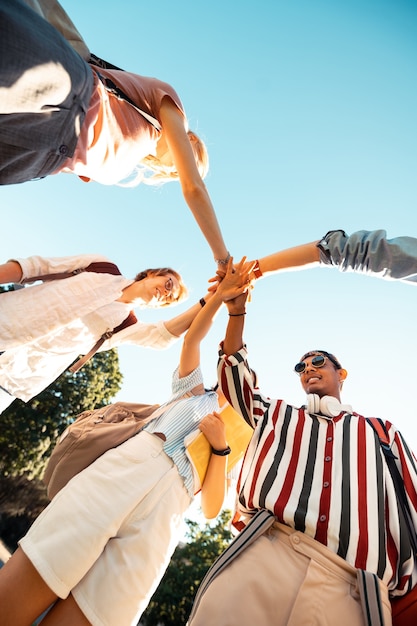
x=233, y=340
x=10, y=272
x=202, y=209
x=214, y=487
x=206, y=314
x=179, y=324
x=304, y=256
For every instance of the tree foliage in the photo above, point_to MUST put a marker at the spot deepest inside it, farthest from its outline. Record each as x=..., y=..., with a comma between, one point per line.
x=29, y=430
x=171, y=604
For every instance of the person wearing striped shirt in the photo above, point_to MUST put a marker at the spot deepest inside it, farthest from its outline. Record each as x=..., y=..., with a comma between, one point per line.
x=317, y=507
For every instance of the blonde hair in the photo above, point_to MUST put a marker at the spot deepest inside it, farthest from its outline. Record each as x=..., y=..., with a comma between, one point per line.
x=151, y=171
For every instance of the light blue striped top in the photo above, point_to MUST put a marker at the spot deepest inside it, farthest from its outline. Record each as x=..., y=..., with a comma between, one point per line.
x=181, y=418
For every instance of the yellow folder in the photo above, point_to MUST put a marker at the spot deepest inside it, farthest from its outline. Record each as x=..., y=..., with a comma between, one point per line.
x=198, y=449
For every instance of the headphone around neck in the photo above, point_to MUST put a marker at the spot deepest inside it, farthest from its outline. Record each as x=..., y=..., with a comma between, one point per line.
x=327, y=405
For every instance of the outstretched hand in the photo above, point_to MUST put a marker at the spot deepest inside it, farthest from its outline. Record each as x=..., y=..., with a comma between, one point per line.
x=236, y=280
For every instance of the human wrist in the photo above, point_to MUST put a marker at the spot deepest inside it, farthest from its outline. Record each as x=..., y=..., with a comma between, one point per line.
x=224, y=260
x=236, y=310
x=224, y=451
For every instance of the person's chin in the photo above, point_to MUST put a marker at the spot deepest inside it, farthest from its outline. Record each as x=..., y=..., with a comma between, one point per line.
x=315, y=388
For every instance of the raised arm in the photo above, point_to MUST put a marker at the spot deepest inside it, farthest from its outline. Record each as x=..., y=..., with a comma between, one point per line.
x=233, y=284
x=180, y=323
x=192, y=185
x=305, y=256
x=365, y=252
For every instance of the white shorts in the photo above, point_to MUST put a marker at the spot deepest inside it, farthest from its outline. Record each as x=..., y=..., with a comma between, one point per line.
x=108, y=536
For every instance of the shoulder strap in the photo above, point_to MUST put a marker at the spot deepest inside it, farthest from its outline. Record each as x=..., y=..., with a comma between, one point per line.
x=99, y=267
x=390, y=458
x=95, y=60
x=129, y=321
x=111, y=87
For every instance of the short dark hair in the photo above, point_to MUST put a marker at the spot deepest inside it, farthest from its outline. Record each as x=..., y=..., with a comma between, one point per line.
x=330, y=356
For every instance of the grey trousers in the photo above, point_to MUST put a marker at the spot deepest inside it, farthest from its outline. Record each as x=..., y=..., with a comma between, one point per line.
x=45, y=89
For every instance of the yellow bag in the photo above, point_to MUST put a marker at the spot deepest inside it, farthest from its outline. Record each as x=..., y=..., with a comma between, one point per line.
x=198, y=449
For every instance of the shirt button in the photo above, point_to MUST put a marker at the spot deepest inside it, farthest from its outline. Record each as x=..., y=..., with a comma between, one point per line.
x=322, y=518
x=296, y=539
x=329, y=438
x=326, y=484
x=63, y=150
x=328, y=458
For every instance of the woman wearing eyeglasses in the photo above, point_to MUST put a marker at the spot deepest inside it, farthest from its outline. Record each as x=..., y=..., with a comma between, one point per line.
x=61, y=114
x=100, y=548
x=78, y=305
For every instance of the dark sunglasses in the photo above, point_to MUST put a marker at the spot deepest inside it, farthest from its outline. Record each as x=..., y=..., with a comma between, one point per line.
x=317, y=361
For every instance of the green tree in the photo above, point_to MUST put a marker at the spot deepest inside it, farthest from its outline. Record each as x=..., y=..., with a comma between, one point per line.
x=171, y=604
x=28, y=432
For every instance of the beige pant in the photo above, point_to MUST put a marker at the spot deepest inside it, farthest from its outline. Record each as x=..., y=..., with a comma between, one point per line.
x=109, y=534
x=285, y=579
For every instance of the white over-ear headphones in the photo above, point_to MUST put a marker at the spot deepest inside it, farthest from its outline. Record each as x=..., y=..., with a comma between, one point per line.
x=327, y=405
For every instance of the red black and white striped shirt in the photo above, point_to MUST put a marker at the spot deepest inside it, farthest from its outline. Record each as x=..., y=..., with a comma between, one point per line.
x=326, y=477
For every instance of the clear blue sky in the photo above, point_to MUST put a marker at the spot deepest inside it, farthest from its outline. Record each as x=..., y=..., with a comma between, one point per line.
x=308, y=110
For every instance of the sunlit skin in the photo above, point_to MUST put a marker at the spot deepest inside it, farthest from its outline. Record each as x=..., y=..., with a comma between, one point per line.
x=151, y=291
x=323, y=381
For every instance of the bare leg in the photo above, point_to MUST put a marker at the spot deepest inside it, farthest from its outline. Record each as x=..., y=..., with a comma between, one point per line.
x=65, y=613
x=23, y=593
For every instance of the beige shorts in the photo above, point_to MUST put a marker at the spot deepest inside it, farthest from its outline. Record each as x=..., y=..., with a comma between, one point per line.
x=108, y=536
x=285, y=578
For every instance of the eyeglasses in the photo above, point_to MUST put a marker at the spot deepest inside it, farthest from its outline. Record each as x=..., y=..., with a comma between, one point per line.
x=169, y=289
x=317, y=361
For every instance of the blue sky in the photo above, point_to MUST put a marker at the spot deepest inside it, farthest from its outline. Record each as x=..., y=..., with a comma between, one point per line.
x=308, y=111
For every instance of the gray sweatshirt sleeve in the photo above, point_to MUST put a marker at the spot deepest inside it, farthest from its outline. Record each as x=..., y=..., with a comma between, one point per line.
x=370, y=252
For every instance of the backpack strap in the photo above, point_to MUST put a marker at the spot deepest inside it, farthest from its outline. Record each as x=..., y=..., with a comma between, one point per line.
x=390, y=458
x=112, y=88
x=129, y=321
x=99, y=267
x=105, y=65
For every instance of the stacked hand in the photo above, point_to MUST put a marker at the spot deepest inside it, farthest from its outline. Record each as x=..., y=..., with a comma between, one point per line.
x=234, y=281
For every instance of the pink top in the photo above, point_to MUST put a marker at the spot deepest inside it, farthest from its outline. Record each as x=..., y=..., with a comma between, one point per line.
x=115, y=137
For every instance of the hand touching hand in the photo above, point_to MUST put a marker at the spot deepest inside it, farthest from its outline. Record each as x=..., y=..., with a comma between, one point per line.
x=236, y=280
